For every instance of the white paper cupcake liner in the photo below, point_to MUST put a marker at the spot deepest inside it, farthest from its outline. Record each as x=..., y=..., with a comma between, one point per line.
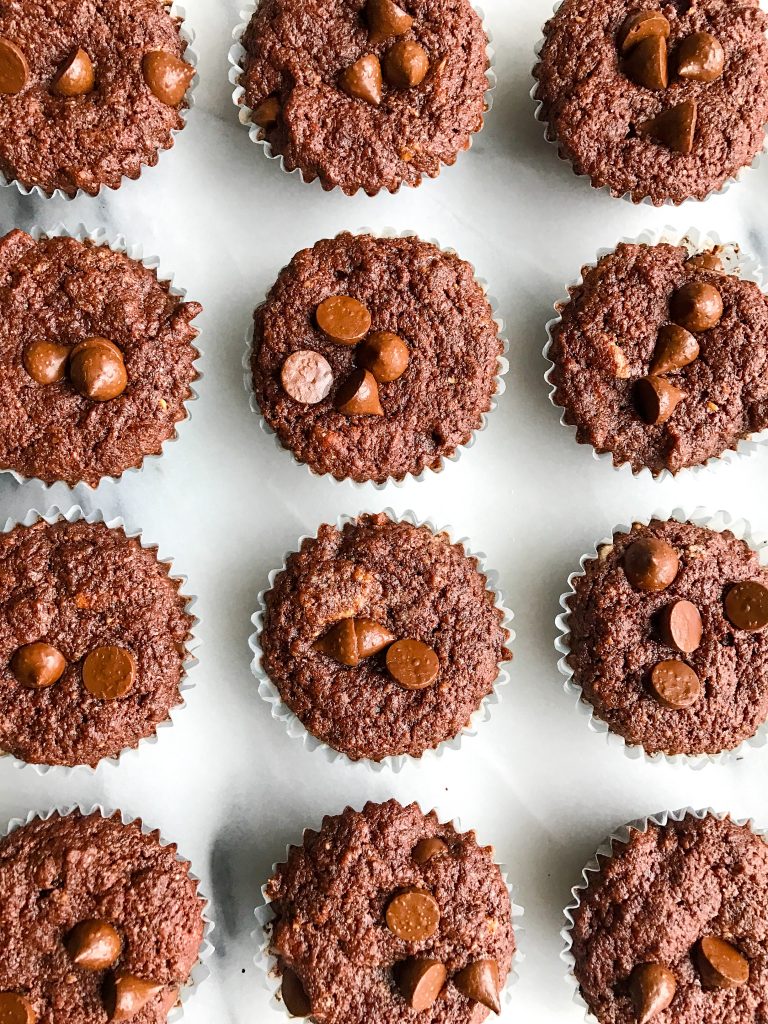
x=718, y=522
x=293, y=725
x=604, y=853
x=188, y=37
x=134, y=251
x=502, y=367
x=74, y=515
x=237, y=54
x=269, y=976
x=551, y=138
x=200, y=971
x=737, y=263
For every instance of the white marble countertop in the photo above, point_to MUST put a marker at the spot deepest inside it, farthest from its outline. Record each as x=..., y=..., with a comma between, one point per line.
x=226, y=782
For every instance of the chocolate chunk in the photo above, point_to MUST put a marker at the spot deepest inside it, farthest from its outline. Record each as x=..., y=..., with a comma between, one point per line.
x=38, y=665
x=126, y=994
x=413, y=915
x=14, y=70
x=642, y=25
x=647, y=63
x=697, y=306
x=652, y=988
x=700, y=58
x=721, y=965
x=680, y=626
x=707, y=261
x=386, y=20
x=16, y=1009
x=343, y=319
x=651, y=564
x=295, y=999
x=412, y=664
x=420, y=982
x=359, y=395
x=97, y=370
x=406, y=64
x=428, y=848
x=76, y=76
x=307, y=377
x=340, y=643
x=746, y=605
x=675, y=348
x=675, y=685
x=371, y=637
x=94, y=945
x=656, y=399
x=362, y=81
x=267, y=112
x=45, y=362
x=109, y=672
x=674, y=128
x=385, y=355
x=480, y=983
x=167, y=76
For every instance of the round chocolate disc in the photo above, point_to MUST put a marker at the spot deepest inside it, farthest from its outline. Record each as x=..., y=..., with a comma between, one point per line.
x=675, y=685
x=746, y=605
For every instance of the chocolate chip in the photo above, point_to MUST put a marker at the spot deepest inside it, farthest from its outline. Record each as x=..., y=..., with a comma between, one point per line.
x=167, y=76
x=675, y=349
x=650, y=564
x=413, y=915
x=14, y=70
x=674, y=128
x=656, y=399
x=647, y=62
x=652, y=988
x=675, y=685
x=746, y=605
x=680, y=626
x=406, y=64
x=721, y=965
x=267, y=112
x=359, y=395
x=94, y=945
x=362, y=81
x=343, y=319
x=480, y=983
x=420, y=982
x=642, y=25
x=371, y=637
x=386, y=20
x=109, y=672
x=340, y=643
x=295, y=999
x=126, y=994
x=97, y=370
x=76, y=76
x=385, y=355
x=38, y=665
x=16, y=1009
x=698, y=306
x=412, y=664
x=428, y=848
x=45, y=361
x=307, y=377
x=707, y=261
x=700, y=58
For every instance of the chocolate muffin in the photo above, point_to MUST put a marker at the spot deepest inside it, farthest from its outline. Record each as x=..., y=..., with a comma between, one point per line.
x=386, y=911
x=382, y=637
x=668, y=638
x=96, y=359
x=92, y=642
x=365, y=94
x=89, y=92
x=660, y=357
x=99, y=921
x=374, y=358
x=672, y=928
x=665, y=100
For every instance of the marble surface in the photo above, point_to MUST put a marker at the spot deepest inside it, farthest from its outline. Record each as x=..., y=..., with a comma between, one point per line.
x=226, y=782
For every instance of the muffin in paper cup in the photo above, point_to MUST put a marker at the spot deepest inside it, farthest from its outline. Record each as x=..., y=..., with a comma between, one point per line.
x=270, y=978
x=502, y=367
x=269, y=692
x=237, y=54
x=550, y=136
x=76, y=514
x=736, y=263
x=200, y=971
x=187, y=36
x=719, y=522
x=134, y=251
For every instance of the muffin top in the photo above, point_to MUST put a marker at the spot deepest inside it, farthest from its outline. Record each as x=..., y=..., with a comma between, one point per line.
x=96, y=359
x=89, y=91
x=382, y=637
x=673, y=928
x=366, y=94
x=375, y=357
x=92, y=635
x=668, y=638
x=387, y=911
x=661, y=357
x=97, y=919
x=661, y=100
